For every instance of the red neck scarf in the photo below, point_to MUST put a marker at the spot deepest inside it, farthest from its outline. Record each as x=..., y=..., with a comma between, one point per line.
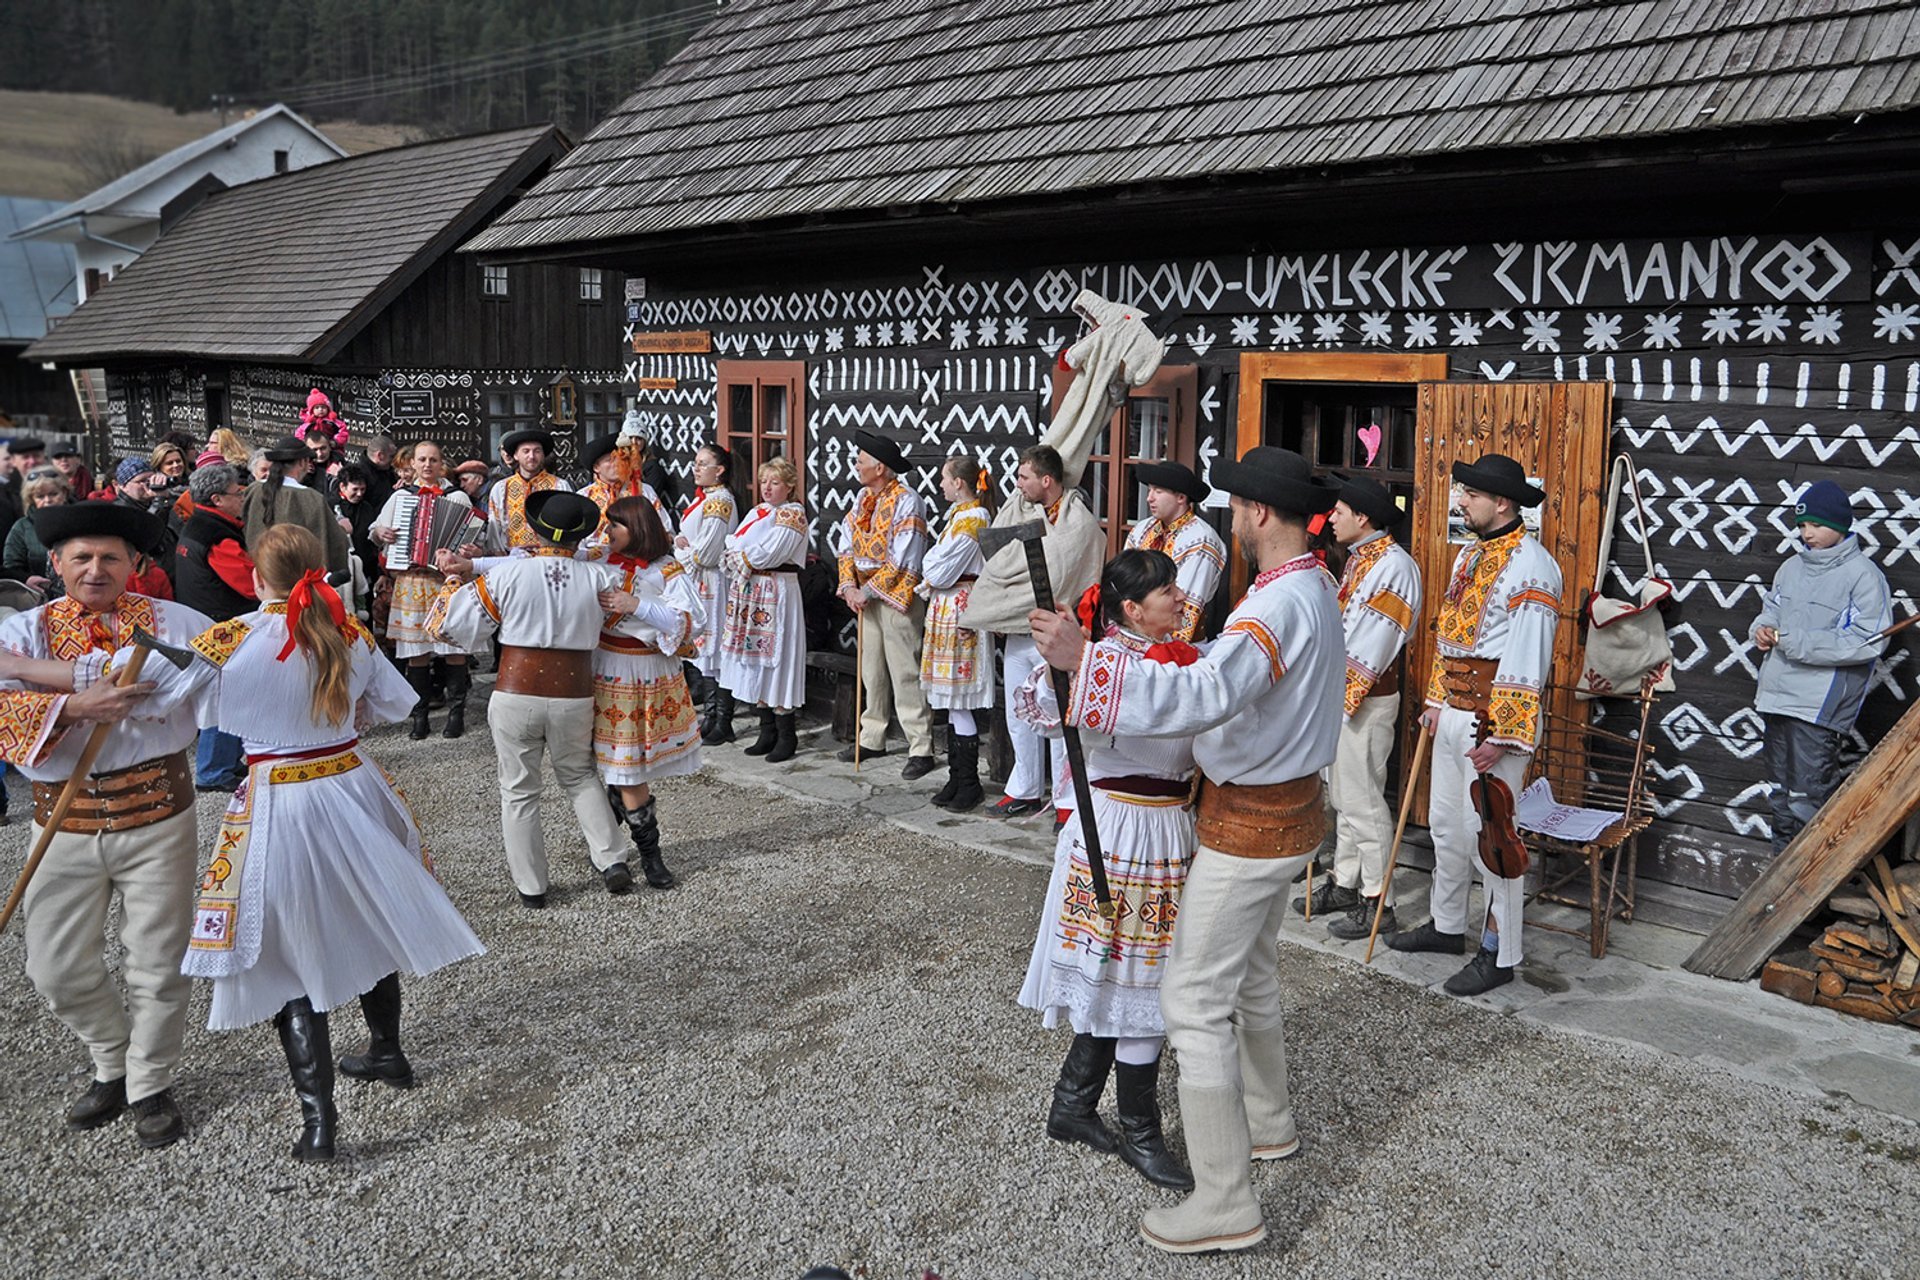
x=313, y=583
x=699, y=499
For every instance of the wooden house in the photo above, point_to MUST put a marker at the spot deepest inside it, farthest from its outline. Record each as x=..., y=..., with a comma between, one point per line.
x=37, y=287
x=346, y=276
x=1575, y=228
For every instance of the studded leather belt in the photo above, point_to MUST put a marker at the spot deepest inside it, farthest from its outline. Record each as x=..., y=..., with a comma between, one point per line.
x=545, y=673
x=1388, y=682
x=1468, y=682
x=1281, y=820
x=122, y=800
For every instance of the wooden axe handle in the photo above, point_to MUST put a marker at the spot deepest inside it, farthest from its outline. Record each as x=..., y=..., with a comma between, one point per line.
x=82, y=767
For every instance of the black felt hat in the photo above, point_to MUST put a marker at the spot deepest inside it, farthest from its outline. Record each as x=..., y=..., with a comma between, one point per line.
x=560, y=517
x=1500, y=476
x=883, y=450
x=1280, y=478
x=288, y=449
x=26, y=444
x=514, y=439
x=1175, y=476
x=143, y=532
x=597, y=449
x=1370, y=498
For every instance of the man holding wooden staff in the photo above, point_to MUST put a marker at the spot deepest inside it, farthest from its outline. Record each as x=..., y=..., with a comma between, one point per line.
x=1379, y=599
x=1493, y=655
x=130, y=827
x=1265, y=702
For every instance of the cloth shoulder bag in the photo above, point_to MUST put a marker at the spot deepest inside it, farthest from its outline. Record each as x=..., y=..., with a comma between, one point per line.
x=1626, y=639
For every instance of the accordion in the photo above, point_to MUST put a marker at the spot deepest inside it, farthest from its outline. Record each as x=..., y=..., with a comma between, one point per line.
x=426, y=525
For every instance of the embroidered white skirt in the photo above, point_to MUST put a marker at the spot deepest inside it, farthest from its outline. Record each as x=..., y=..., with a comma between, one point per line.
x=644, y=728
x=1104, y=976
x=956, y=663
x=772, y=677
x=413, y=597
x=337, y=887
x=712, y=586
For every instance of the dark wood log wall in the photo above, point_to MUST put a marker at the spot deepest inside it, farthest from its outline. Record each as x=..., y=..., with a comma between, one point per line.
x=1744, y=365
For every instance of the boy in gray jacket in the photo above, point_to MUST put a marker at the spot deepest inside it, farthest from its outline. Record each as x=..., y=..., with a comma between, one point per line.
x=1820, y=630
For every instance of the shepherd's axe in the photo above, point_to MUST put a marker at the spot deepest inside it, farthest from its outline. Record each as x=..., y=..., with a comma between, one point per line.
x=143, y=644
x=1030, y=536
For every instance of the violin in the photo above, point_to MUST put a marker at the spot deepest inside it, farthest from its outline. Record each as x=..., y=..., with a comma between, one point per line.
x=1502, y=851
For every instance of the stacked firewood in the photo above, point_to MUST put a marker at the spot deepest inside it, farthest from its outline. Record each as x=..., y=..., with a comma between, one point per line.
x=1867, y=962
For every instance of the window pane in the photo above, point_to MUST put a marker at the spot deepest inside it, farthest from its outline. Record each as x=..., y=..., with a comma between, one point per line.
x=1400, y=441
x=773, y=410
x=522, y=403
x=496, y=405
x=739, y=410
x=1148, y=421
x=1336, y=428
x=1098, y=480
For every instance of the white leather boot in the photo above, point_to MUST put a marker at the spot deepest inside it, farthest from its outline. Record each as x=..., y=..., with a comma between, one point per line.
x=1222, y=1212
x=1263, y=1072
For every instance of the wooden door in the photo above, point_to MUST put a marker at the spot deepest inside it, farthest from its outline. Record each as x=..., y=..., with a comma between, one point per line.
x=1558, y=432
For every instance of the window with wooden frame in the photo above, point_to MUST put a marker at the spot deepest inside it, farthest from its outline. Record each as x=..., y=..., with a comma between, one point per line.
x=592, y=288
x=510, y=410
x=762, y=410
x=1156, y=424
x=493, y=281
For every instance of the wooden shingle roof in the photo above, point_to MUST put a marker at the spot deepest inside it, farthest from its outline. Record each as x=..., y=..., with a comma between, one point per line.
x=291, y=267
x=785, y=109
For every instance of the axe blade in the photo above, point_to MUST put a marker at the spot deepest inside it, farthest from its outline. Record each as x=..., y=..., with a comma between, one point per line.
x=1006, y=535
x=181, y=658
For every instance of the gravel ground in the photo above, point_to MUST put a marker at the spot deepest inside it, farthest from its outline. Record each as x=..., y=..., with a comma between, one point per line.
x=810, y=1053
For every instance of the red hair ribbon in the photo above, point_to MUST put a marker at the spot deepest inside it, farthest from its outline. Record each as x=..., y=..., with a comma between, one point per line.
x=1088, y=610
x=312, y=583
x=1178, y=652
x=980, y=481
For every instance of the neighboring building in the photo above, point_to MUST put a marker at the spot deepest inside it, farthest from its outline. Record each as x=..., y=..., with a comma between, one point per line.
x=37, y=287
x=344, y=276
x=1689, y=232
x=112, y=226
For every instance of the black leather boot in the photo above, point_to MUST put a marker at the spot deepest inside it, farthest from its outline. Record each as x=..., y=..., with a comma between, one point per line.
x=1137, y=1088
x=944, y=796
x=458, y=682
x=964, y=764
x=768, y=734
x=303, y=1037
x=644, y=827
x=721, y=730
x=382, y=1062
x=1075, y=1114
x=786, y=740
x=418, y=678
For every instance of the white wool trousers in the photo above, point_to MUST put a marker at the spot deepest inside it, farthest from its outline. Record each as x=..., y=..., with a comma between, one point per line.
x=1028, y=779
x=1455, y=826
x=1356, y=787
x=66, y=904
x=524, y=728
x=890, y=676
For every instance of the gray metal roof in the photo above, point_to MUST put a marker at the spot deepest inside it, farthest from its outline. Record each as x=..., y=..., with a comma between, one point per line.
x=790, y=108
x=292, y=266
x=133, y=181
x=37, y=279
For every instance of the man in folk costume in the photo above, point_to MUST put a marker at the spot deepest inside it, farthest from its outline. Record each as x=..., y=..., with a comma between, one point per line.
x=1495, y=652
x=507, y=527
x=880, y=546
x=1174, y=494
x=416, y=588
x=1003, y=597
x=546, y=606
x=131, y=830
x=1379, y=599
x=1264, y=703
x=616, y=464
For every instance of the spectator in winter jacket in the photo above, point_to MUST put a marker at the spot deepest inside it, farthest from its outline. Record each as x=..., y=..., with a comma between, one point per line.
x=1819, y=628
x=214, y=574
x=73, y=469
x=356, y=513
x=25, y=557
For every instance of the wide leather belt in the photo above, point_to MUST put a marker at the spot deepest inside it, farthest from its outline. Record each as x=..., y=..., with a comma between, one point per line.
x=1468, y=682
x=1140, y=784
x=545, y=673
x=1282, y=820
x=123, y=800
x=1388, y=682
x=776, y=568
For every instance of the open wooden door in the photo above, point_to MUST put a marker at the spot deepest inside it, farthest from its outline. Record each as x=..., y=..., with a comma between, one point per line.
x=1558, y=432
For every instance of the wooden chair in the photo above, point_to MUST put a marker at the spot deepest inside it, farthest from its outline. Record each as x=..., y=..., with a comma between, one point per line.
x=1597, y=768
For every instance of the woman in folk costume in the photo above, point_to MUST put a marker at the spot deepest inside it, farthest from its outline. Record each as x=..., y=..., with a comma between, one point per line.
x=763, y=648
x=414, y=591
x=956, y=663
x=318, y=889
x=1104, y=975
x=643, y=724
x=704, y=526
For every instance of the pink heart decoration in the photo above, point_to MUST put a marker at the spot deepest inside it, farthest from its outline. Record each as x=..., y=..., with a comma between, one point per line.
x=1370, y=437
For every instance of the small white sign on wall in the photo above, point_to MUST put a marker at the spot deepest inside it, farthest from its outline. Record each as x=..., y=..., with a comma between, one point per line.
x=636, y=288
